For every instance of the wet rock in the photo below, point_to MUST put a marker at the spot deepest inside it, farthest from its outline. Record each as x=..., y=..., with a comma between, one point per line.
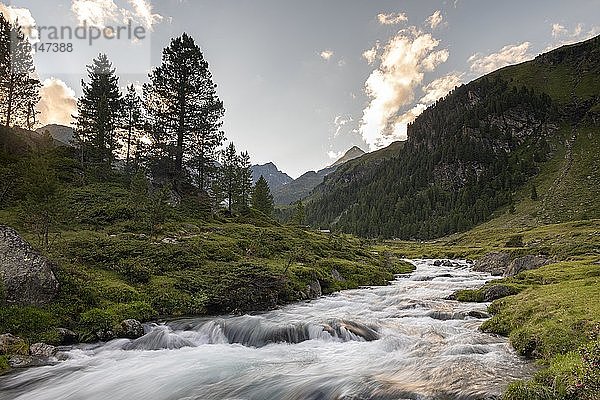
x=20, y=361
x=493, y=263
x=42, y=350
x=131, y=329
x=13, y=345
x=437, y=263
x=67, y=337
x=26, y=275
x=478, y=314
x=496, y=292
x=447, y=263
x=314, y=289
x=524, y=264
x=105, y=335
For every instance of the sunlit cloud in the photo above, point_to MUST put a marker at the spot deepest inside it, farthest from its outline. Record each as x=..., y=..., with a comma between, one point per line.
x=391, y=18
x=101, y=13
x=326, y=54
x=402, y=66
x=440, y=87
x=57, y=103
x=25, y=19
x=508, y=55
x=435, y=19
x=562, y=35
x=340, y=121
x=334, y=155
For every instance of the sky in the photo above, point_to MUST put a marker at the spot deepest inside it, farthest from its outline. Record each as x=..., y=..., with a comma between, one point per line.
x=303, y=80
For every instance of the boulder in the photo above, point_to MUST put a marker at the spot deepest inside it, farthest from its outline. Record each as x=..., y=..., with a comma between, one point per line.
x=337, y=276
x=493, y=263
x=67, y=337
x=26, y=275
x=525, y=263
x=314, y=289
x=496, y=292
x=19, y=361
x=131, y=329
x=42, y=350
x=10, y=344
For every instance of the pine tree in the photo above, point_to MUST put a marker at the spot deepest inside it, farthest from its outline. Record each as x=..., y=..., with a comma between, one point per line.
x=99, y=110
x=132, y=121
x=185, y=111
x=226, y=185
x=299, y=214
x=262, y=199
x=244, y=182
x=19, y=87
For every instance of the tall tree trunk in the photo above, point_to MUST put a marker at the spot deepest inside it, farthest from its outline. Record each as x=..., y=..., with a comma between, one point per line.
x=9, y=100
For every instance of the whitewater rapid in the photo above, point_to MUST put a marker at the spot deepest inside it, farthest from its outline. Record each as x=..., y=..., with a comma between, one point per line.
x=402, y=341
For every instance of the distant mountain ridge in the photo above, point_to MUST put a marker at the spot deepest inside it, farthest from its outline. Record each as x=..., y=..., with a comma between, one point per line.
x=274, y=177
x=302, y=187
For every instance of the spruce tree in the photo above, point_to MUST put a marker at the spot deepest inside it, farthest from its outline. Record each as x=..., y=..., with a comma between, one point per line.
x=262, y=199
x=99, y=111
x=299, y=214
x=185, y=111
x=132, y=121
x=244, y=181
x=19, y=87
x=226, y=185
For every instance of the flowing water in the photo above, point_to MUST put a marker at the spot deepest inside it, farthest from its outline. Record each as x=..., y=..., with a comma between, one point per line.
x=403, y=341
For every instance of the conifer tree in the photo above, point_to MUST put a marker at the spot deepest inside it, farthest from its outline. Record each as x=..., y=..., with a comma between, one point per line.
x=19, y=87
x=226, y=185
x=132, y=121
x=185, y=111
x=244, y=181
x=262, y=199
x=99, y=110
x=299, y=214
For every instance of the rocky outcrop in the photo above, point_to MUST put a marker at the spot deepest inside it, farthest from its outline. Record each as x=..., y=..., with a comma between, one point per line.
x=493, y=263
x=314, y=290
x=496, y=292
x=26, y=276
x=525, y=263
x=67, y=337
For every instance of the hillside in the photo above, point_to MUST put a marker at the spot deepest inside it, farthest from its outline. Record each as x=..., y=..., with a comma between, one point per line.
x=61, y=133
x=473, y=153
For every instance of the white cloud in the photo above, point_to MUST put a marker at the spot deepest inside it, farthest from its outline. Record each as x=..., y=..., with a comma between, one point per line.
x=435, y=19
x=510, y=54
x=340, y=121
x=440, y=87
x=562, y=35
x=403, y=63
x=391, y=18
x=57, y=103
x=25, y=19
x=101, y=13
x=326, y=54
x=371, y=54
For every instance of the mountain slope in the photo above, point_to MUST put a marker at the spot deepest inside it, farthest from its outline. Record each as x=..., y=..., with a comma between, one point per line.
x=473, y=151
x=274, y=177
x=302, y=187
x=61, y=133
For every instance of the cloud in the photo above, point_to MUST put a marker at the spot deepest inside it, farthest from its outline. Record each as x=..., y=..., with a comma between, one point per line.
x=340, y=121
x=391, y=18
x=102, y=13
x=25, y=19
x=57, y=103
x=371, y=54
x=510, y=54
x=440, y=87
x=326, y=54
x=435, y=19
x=402, y=65
x=562, y=35
x=334, y=155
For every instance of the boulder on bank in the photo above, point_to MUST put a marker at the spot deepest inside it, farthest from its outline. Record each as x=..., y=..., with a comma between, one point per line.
x=26, y=275
x=42, y=350
x=493, y=263
x=525, y=263
x=496, y=292
x=10, y=344
x=314, y=290
x=66, y=337
x=131, y=329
